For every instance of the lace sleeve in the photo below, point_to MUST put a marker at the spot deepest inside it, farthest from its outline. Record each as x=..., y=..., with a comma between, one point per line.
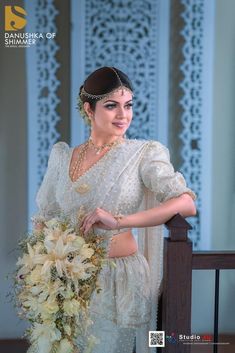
x=159, y=176
x=47, y=204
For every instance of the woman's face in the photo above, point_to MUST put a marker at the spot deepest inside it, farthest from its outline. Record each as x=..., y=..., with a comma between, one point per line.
x=113, y=115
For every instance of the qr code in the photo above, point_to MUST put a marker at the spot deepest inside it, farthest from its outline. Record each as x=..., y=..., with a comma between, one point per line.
x=156, y=338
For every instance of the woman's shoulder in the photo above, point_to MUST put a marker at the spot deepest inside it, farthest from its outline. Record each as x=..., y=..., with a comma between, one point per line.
x=60, y=146
x=58, y=151
x=148, y=144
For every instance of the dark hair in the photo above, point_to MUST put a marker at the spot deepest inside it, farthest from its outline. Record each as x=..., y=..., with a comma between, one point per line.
x=100, y=83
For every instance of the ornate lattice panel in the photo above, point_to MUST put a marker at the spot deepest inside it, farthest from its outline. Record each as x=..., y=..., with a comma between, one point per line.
x=47, y=83
x=42, y=66
x=124, y=34
x=197, y=29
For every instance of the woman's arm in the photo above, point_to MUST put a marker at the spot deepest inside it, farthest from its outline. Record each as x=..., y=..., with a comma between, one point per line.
x=182, y=204
x=100, y=218
x=169, y=187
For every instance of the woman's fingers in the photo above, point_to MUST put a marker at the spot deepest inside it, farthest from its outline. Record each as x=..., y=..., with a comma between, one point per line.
x=98, y=217
x=88, y=221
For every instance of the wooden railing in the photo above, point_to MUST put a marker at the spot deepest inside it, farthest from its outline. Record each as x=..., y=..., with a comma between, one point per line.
x=179, y=261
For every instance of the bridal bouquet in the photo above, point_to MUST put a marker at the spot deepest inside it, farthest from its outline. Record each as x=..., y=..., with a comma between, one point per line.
x=55, y=279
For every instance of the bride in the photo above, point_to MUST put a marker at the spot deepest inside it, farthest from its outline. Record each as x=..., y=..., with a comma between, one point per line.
x=111, y=179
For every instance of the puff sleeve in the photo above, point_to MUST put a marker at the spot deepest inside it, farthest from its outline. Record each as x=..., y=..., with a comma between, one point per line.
x=158, y=173
x=46, y=202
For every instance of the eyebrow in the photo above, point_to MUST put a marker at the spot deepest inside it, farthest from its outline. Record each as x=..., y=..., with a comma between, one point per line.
x=111, y=100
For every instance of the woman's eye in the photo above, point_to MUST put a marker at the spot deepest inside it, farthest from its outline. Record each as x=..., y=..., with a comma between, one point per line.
x=110, y=106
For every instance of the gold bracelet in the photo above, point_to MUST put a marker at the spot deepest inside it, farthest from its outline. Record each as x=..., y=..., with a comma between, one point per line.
x=118, y=218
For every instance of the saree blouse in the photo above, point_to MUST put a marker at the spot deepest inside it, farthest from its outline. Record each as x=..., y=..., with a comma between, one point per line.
x=116, y=182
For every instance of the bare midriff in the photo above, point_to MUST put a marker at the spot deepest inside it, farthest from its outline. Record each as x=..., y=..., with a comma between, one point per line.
x=123, y=244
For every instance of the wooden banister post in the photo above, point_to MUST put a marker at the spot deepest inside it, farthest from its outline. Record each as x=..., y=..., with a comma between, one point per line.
x=177, y=285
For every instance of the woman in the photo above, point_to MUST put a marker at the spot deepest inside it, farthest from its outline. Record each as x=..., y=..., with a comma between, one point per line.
x=117, y=184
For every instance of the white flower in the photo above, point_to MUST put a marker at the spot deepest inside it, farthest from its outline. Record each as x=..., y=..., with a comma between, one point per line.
x=50, y=307
x=67, y=329
x=32, y=304
x=52, y=223
x=57, y=256
x=48, y=290
x=71, y=307
x=35, y=277
x=47, y=298
x=57, y=253
x=45, y=335
x=65, y=346
x=28, y=260
x=78, y=242
x=76, y=269
x=86, y=252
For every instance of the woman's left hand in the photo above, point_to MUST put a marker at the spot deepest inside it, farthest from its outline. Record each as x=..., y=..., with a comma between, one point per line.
x=98, y=218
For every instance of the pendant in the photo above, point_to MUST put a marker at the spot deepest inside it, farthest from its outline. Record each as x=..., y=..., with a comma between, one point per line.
x=83, y=188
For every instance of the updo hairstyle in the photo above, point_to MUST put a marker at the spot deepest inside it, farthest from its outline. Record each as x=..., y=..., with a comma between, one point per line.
x=100, y=84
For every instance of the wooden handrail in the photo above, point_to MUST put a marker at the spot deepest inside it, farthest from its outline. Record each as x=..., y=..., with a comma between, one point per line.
x=177, y=282
x=211, y=260
x=179, y=261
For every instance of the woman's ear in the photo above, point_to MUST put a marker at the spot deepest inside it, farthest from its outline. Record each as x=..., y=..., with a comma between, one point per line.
x=88, y=110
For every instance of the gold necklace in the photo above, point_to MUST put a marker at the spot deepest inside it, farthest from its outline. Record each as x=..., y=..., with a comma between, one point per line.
x=99, y=149
x=78, y=164
x=77, y=168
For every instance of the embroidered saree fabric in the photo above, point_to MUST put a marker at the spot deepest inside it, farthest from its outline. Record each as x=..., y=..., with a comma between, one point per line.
x=132, y=176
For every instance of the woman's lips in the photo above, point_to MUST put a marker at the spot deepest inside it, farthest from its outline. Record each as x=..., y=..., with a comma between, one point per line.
x=120, y=125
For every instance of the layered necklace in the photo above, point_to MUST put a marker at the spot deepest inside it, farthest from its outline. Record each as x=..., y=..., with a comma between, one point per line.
x=99, y=149
x=77, y=168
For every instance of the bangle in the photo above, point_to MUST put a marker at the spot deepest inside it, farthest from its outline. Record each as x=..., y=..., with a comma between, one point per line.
x=118, y=218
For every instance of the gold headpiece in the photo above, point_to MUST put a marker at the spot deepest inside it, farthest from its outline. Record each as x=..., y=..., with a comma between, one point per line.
x=99, y=96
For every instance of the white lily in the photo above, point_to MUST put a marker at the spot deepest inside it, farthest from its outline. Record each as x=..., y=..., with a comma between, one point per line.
x=45, y=335
x=34, y=277
x=67, y=235
x=57, y=253
x=76, y=269
x=28, y=261
x=86, y=252
x=49, y=290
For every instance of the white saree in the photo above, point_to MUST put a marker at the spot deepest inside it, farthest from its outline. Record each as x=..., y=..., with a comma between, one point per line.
x=133, y=175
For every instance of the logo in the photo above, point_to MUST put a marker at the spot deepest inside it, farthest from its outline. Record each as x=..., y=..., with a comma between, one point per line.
x=14, y=18
x=15, y=21
x=171, y=338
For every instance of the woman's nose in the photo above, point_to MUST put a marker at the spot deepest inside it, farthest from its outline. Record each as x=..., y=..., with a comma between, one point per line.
x=121, y=113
